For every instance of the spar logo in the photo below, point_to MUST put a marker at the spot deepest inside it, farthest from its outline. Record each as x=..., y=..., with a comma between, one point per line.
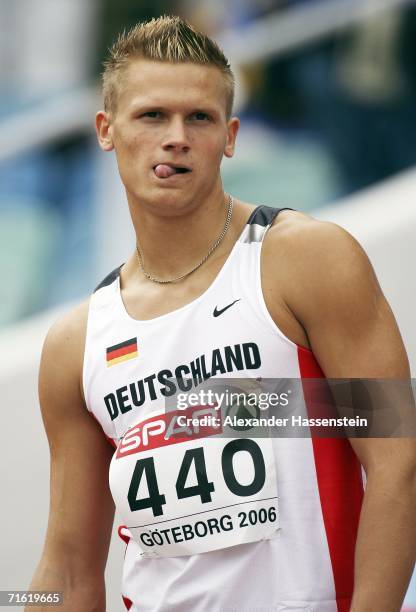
x=171, y=428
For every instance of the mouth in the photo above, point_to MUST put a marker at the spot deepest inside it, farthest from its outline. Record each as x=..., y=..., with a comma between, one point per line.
x=164, y=171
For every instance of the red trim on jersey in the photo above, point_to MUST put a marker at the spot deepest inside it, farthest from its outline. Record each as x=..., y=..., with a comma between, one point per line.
x=127, y=602
x=123, y=536
x=111, y=441
x=339, y=477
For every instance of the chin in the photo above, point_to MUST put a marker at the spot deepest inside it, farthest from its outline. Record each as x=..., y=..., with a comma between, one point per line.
x=168, y=202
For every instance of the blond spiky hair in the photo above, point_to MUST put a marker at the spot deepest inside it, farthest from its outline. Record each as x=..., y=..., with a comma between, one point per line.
x=165, y=39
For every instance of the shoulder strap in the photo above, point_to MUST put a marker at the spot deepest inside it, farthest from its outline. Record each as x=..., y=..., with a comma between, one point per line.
x=110, y=278
x=260, y=220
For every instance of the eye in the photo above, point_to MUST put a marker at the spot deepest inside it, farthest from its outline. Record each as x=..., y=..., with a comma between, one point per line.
x=201, y=116
x=152, y=114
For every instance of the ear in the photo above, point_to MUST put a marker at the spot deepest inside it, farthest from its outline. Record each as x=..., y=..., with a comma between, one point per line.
x=104, y=131
x=232, y=129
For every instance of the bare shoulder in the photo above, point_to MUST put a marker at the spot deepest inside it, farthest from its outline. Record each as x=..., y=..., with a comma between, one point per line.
x=317, y=252
x=293, y=229
x=63, y=355
x=66, y=337
x=313, y=269
x=325, y=280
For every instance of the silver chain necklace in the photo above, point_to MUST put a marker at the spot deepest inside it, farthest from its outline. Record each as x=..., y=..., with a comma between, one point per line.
x=211, y=250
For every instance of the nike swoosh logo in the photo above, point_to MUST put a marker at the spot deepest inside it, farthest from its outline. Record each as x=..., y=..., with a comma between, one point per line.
x=217, y=312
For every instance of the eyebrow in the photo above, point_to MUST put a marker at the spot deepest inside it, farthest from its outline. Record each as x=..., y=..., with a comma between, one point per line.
x=144, y=108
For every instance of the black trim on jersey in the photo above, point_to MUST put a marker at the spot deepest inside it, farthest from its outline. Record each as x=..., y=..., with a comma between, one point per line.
x=264, y=215
x=110, y=278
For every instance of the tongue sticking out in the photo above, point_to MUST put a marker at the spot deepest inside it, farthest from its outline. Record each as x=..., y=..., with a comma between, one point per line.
x=163, y=171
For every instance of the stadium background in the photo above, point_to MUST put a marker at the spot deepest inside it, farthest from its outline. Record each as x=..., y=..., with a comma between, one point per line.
x=326, y=93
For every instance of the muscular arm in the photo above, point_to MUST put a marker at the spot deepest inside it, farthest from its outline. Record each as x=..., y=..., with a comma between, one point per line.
x=81, y=509
x=353, y=333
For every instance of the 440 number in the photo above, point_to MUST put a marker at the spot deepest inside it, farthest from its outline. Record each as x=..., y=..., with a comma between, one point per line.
x=204, y=487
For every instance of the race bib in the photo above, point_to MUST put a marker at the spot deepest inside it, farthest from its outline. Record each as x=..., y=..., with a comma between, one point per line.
x=182, y=489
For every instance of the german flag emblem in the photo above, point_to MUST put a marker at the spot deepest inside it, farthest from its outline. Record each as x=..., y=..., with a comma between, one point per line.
x=121, y=352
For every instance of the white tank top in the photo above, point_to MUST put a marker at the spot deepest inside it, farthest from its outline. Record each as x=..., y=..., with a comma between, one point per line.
x=213, y=524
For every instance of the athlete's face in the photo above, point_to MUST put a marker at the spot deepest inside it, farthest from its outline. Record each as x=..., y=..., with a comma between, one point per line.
x=174, y=115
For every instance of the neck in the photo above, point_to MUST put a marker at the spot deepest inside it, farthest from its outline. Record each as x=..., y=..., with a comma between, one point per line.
x=171, y=245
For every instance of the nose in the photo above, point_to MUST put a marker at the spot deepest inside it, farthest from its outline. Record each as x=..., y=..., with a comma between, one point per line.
x=176, y=136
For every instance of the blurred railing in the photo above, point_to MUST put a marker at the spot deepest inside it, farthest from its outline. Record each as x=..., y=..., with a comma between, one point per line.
x=48, y=121
x=285, y=30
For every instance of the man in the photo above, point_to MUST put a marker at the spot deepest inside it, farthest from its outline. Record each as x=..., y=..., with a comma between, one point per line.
x=214, y=287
